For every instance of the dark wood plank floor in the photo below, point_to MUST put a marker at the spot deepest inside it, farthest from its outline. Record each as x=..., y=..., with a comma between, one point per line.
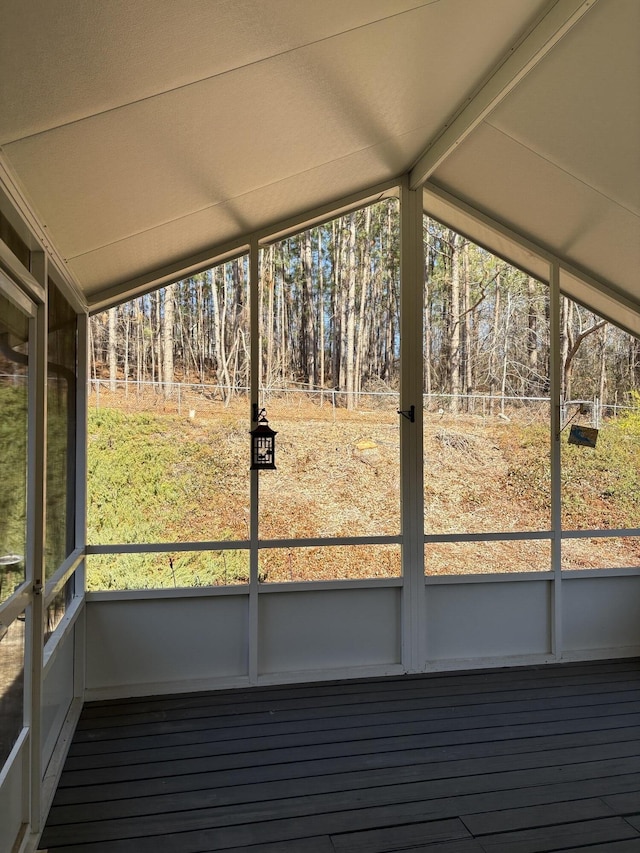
x=525, y=760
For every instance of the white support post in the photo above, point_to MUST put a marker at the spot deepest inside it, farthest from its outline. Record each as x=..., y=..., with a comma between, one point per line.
x=37, y=526
x=556, y=483
x=254, y=313
x=412, y=497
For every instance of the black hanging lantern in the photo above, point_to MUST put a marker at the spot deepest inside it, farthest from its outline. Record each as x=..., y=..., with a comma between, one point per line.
x=263, y=444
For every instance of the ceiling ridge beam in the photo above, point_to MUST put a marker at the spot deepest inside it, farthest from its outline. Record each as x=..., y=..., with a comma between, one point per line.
x=515, y=65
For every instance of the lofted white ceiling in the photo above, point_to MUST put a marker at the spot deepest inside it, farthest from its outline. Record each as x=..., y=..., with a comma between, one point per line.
x=558, y=160
x=146, y=137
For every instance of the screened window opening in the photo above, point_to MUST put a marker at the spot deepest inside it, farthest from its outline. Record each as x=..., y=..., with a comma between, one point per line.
x=168, y=431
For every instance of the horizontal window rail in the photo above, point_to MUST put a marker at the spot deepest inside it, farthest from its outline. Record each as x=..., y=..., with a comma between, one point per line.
x=62, y=575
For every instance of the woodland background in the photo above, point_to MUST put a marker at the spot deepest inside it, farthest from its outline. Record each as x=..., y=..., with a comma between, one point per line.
x=329, y=319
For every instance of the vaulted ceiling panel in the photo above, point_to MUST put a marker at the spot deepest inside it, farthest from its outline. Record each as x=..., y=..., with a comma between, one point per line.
x=545, y=204
x=153, y=130
x=95, y=56
x=558, y=161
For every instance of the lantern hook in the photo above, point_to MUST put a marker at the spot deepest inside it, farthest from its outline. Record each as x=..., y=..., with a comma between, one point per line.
x=409, y=414
x=259, y=415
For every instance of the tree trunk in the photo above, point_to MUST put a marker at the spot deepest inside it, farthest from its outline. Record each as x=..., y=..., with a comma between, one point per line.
x=351, y=314
x=454, y=341
x=532, y=340
x=493, y=352
x=168, y=337
x=113, y=348
x=308, y=326
x=321, y=374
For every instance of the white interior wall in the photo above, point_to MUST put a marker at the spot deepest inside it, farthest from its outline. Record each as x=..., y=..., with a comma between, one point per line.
x=139, y=645
x=158, y=645
x=336, y=630
x=601, y=615
x=489, y=621
x=57, y=694
x=13, y=779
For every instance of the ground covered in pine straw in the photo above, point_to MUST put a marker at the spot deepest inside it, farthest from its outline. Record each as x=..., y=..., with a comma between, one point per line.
x=159, y=474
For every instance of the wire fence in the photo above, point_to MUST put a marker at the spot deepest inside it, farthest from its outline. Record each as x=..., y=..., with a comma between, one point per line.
x=189, y=398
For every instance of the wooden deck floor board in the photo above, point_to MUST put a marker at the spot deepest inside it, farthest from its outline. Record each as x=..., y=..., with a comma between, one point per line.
x=540, y=759
x=249, y=755
x=629, y=846
x=348, y=780
x=553, y=837
x=166, y=749
x=483, y=680
x=206, y=731
x=426, y=794
x=573, y=695
x=301, y=697
x=322, y=767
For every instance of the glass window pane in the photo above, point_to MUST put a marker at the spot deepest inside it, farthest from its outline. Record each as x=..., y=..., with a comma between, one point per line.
x=486, y=384
x=337, y=470
x=14, y=377
x=11, y=686
x=61, y=430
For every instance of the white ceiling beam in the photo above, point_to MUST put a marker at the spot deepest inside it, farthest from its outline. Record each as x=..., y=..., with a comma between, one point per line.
x=520, y=59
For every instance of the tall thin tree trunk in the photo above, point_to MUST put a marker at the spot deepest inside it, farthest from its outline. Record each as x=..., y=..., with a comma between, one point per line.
x=532, y=339
x=113, y=348
x=505, y=351
x=168, y=337
x=493, y=352
x=270, y=319
x=467, y=360
x=308, y=326
x=362, y=340
x=454, y=354
x=321, y=375
x=351, y=314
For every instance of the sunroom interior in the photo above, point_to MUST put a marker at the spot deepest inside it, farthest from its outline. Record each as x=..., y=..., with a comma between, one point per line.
x=145, y=143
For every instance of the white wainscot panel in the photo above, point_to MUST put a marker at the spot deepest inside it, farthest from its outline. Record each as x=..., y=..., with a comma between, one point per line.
x=160, y=645
x=57, y=695
x=11, y=803
x=497, y=620
x=314, y=630
x=601, y=613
